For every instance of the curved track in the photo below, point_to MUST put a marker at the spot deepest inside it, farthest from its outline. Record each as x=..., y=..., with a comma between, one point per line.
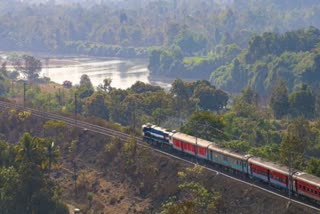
x=123, y=136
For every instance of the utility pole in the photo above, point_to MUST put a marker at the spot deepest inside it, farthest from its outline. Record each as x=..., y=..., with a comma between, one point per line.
x=290, y=174
x=59, y=96
x=196, y=149
x=134, y=116
x=75, y=176
x=75, y=107
x=12, y=88
x=49, y=100
x=43, y=121
x=47, y=66
x=24, y=94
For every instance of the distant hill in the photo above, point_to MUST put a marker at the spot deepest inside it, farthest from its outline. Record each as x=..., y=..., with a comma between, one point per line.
x=293, y=57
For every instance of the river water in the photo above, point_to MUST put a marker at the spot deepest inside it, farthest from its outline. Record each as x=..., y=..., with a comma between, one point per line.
x=123, y=72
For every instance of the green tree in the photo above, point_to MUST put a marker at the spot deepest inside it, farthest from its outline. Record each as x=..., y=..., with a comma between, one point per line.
x=190, y=42
x=95, y=106
x=313, y=166
x=129, y=151
x=181, y=93
x=7, y=154
x=106, y=86
x=29, y=150
x=3, y=69
x=36, y=191
x=249, y=96
x=154, y=61
x=30, y=66
x=302, y=102
x=209, y=98
x=279, y=100
x=52, y=153
x=296, y=142
x=9, y=191
x=141, y=88
x=205, y=125
x=159, y=115
x=193, y=196
x=86, y=89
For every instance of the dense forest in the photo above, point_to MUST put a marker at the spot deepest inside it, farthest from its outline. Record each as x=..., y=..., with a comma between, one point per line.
x=292, y=57
x=205, y=26
x=185, y=39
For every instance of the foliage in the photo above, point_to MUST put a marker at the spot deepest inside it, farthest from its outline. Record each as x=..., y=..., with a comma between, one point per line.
x=268, y=152
x=249, y=96
x=129, y=151
x=302, y=102
x=96, y=106
x=237, y=145
x=106, y=86
x=208, y=97
x=24, y=186
x=140, y=88
x=208, y=126
x=29, y=66
x=279, y=100
x=193, y=196
x=295, y=142
x=313, y=166
x=195, y=95
x=291, y=56
x=86, y=89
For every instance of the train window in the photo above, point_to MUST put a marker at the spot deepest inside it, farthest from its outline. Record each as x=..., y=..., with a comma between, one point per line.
x=300, y=186
x=225, y=158
x=304, y=188
x=308, y=189
x=315, y=192
x=311, y=190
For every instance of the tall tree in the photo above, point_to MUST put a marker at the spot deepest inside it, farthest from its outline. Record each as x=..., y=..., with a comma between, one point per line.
x=208, y=126
x=106, y=86
x=9, y=191
x=86, y=89
x=96, y=106
x=249, y=96
x=279, y=100
x=295, y=143
x=302, y=102
x=209, y=98
x=29, y=66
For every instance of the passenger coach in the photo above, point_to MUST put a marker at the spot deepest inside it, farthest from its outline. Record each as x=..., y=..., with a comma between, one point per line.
x=190, y=145
x=277, y=175
x=307, y=185
x=269, y=172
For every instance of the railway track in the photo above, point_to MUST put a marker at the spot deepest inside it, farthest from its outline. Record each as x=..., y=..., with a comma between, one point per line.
x=123, y=136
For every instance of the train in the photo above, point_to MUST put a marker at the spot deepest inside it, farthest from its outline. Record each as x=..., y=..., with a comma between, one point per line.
x=299, y=183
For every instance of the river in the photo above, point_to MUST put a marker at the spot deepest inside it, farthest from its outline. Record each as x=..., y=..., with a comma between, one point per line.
x=123, y=72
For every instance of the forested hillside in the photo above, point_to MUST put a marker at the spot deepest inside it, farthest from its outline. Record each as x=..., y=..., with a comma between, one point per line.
x=51, y=27
x=292, y=57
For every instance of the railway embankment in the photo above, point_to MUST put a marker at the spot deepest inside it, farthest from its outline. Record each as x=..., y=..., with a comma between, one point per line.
x=113, y=176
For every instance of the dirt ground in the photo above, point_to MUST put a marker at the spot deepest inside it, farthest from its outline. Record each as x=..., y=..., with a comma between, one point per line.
x=104, y=185
x=113, y=192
